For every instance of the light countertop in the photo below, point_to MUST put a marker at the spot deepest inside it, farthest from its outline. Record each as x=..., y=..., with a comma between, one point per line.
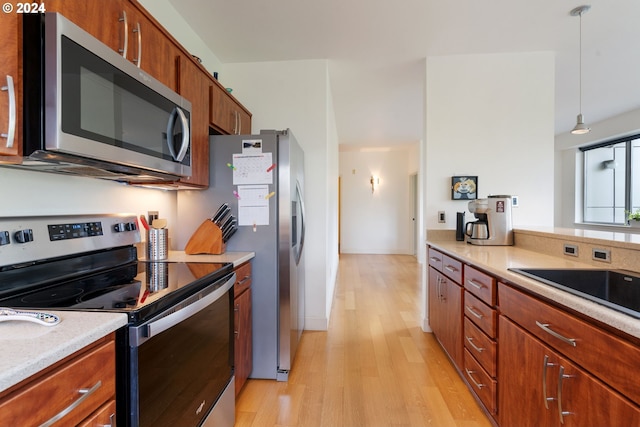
x=498, y=259
x=27, y=347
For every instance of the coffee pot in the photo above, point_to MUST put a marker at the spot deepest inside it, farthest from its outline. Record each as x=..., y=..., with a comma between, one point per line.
x=493, y=226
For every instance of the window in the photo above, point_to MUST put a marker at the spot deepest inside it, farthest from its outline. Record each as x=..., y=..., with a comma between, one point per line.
x=610, y=171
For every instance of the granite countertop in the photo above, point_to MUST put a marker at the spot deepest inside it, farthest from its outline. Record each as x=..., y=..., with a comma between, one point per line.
x=498, y=259
x=27, y=347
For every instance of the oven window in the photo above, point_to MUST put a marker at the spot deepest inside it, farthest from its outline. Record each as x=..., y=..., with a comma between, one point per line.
x=183, y=370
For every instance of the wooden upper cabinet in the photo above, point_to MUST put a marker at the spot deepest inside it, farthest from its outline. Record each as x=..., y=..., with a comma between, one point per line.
x=226, y=114
x=127, y=30
x=11, y=84
x=194, y=86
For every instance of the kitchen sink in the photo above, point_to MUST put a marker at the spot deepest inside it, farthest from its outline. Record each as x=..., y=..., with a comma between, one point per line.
x=617, y=289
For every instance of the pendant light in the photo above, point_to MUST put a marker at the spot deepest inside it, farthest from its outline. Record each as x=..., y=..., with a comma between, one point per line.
x=580, y=128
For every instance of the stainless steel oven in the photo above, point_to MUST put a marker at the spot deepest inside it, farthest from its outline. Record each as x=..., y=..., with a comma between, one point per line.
x=179, y=362
x=174, y=358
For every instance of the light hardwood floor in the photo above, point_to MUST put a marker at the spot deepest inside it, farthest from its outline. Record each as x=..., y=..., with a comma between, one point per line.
x=374, y=367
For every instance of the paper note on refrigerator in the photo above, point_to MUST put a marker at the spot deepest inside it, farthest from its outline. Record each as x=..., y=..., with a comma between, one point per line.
x=253, y=205
x=252, y=168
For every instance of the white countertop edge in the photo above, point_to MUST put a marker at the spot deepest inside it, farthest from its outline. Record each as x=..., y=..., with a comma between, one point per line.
x=514, y=257
x=236, y=258
x=29, y=348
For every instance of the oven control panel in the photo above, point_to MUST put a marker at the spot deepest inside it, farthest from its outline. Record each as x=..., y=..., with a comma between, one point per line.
x=75, y=230
x=29, y=239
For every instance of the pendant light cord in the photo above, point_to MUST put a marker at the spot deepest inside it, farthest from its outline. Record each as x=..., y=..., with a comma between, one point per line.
x=580, y=74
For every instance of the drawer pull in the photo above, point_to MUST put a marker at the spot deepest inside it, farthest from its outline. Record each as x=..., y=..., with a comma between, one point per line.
x=434, y=259
x=475, y=347
x=473, y=380
x=561, y=378
x=545, y=327
x=546, y=364
x=66, y=411
x=475, y=284
x=244, y=279
x=450, y=268
x=472, y=311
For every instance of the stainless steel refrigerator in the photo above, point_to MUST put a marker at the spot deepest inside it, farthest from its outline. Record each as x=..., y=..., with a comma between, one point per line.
x=261, y=177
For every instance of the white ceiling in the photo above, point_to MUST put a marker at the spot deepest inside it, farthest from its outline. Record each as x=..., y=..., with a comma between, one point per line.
x=377, y=48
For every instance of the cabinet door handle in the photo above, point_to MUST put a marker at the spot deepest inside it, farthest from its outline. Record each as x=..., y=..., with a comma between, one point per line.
x=475, y=284
x=474, y=312
x=473, y=380
x=545, y=327
x=475, y=347
x=85, y=395
x=561, y=378
x=125, y=32
x=237, y=314
x=138, y=60
x=11, y=130
x=545, y=365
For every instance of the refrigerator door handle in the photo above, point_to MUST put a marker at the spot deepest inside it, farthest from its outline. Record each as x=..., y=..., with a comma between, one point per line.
x=302, y=223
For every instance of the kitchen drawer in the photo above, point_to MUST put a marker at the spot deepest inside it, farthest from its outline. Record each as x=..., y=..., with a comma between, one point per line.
x=480, y=346
x=481, y=383
x=104, y=416
x=480, y=284
x=435, y=259
x=92, y=372
x=614, y=360
x=481, y=314
x=452, y=268
x=243, y=278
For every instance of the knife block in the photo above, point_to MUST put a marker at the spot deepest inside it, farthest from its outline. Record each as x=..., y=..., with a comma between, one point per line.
x=207, y=239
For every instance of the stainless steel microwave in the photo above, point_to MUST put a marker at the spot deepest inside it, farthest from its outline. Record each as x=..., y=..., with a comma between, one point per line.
x=89, y=111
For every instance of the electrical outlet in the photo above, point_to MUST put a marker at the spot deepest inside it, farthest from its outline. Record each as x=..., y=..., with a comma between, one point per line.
x=441, y=217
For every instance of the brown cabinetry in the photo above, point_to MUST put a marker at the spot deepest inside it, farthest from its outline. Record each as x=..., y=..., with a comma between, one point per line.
x=11, y=93
x=556, y=369
x=243, y=353
x=480, y=332
x=226, y=115
x=194, y=86
x=445, y=303
x=79, y=390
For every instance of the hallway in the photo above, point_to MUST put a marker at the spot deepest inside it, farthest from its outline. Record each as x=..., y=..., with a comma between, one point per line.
x=374, y=367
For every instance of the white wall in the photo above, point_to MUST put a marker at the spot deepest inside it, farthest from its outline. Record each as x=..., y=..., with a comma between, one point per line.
x=491, y=116
x=378, y=222
x=164, y=12
x=36, y=193
x=296, y=95
x=568, y=165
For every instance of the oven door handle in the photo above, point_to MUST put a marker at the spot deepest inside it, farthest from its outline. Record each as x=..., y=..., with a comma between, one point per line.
x=139, y=334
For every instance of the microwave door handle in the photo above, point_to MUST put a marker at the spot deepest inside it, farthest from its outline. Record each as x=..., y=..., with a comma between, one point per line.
x=185, y=134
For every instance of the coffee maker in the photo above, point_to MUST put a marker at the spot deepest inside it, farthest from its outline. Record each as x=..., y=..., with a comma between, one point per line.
x=493, y=226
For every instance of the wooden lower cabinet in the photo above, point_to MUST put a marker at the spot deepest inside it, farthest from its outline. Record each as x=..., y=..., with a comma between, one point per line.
x=243, y=350
x=80, y=390
x=445, y=314
x=539, y=388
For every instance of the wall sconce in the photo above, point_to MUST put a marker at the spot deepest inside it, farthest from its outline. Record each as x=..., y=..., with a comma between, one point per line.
x=374, y=181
